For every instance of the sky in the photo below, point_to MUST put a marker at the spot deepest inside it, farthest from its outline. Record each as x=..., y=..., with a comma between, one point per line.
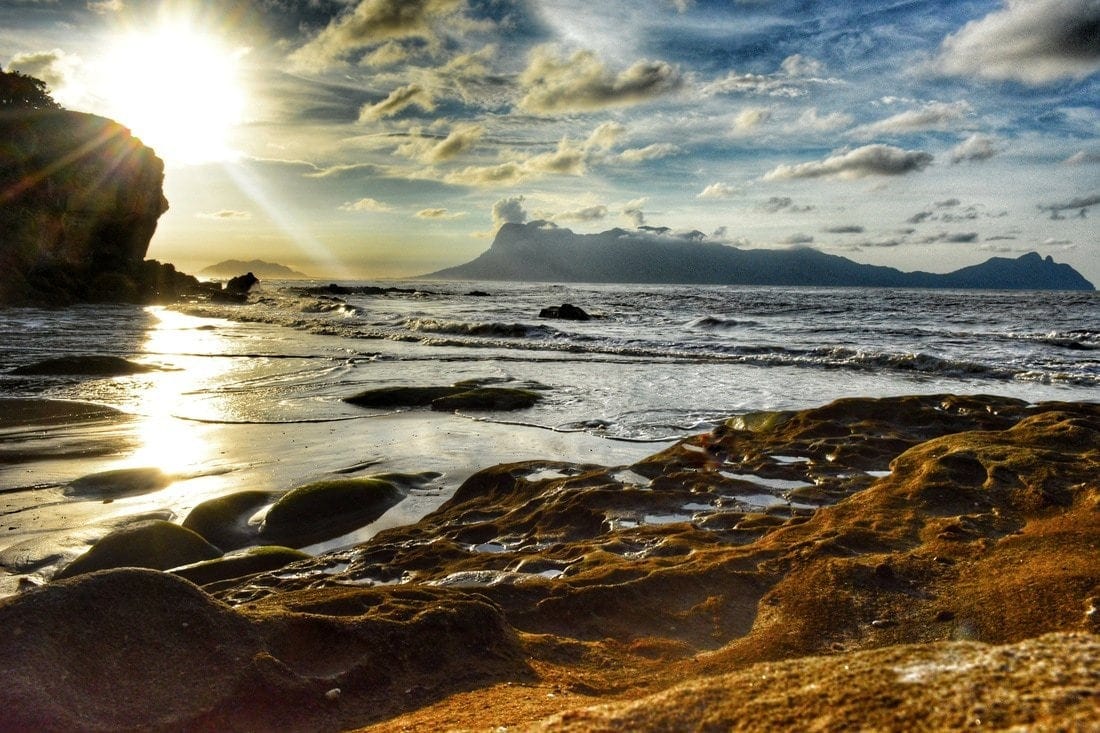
x=390, y=138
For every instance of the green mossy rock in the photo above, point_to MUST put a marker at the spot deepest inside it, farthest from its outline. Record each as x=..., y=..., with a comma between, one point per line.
x=119, y=483
x=487, y=399
x=326, y=509
x=224, y=521
x=239, y=564
x=155, y=544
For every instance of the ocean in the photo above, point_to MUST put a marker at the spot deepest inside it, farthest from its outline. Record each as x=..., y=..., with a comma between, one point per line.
x=252, y=396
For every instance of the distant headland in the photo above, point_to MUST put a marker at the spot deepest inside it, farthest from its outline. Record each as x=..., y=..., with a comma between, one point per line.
x=260, y=268
x=542, y=252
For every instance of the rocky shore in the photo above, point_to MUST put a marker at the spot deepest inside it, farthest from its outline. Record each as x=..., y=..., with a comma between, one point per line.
x=919, y=563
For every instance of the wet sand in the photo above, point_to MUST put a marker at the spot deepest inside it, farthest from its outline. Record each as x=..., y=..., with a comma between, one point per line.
x=924, y=563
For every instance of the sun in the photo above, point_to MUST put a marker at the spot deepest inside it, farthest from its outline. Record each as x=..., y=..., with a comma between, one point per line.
x=177, y=89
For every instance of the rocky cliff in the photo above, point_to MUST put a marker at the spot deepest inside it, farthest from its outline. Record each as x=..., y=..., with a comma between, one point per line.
x=79, y=202
x=539, y=251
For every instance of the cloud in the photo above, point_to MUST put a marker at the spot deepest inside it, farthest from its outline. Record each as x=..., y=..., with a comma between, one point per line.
x=103, y=7
x=588, y=213
x=649, y=152
x=869, y=160
x=751, y=118
x=766, y=85
x=568, y=159
x=1081, y=202
x=440, y=214
x=947, y=203
x=225, y=215
x=502, y=174
x=581, y=83
x=1032, y=41
x=718, y=191
x=398, y=100
x=372, y=22
x=509, y=211
x=811, y=120
x=932, y=116
x=365, y=204
x=799, y=65
x=1083, y=157
x=845, y=229
x=388, y=54
x=336, y=171
x=605, y=136
x=783, y=203
x=920, y=217
x=55, y=67
x=975, y=148
x=797, y=239
x=632, y=212
x=429, y=150
x=951, y=238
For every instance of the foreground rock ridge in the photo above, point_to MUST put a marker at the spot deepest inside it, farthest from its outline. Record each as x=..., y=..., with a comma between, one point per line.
x=539, y=251
x=911, y=563
x=79, y=202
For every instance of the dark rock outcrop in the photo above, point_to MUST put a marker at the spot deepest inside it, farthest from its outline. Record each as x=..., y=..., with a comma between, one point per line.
x=539, y=251
x=565, y=312
x=79, y=201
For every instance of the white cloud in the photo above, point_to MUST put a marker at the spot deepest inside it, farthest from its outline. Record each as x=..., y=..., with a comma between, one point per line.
x=605, y=136
x=440, y=214
x=586, y=214
x=1083, y=157
x=751, y=118
x=932, y=116
x=428, y=150
x=226, y=215
x=812, y=120
x=366, y=204
x=799, y=65
x=398, y=100
x=797, y=239
x=632, y=211
x=975, y=148
x=649, y=152
x=869, y=160
x=582, y=83
x=372, y=22
x=1031, y=41
x=103, y=7
x=718, y=190
x=56, y=67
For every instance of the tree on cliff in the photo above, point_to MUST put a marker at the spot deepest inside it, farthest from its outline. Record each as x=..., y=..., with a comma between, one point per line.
x=19, y=91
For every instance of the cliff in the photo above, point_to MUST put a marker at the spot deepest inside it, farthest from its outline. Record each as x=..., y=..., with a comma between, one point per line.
x=542, y=252
x=79, y=202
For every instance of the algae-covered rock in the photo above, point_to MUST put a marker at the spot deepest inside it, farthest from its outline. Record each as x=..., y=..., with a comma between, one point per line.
x=487, y=399
x=239, y=564
x=326, y=509
x=461, y=396
x=119, y=483
x=155, y=544
x=224, y=521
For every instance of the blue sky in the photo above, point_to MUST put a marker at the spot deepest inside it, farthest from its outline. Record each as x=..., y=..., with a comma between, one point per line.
x=378, y=138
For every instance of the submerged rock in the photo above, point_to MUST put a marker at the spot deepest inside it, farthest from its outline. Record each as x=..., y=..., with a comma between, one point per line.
x=457, y=397
x=327, y=509
x=83, y=365
x=155, y=544
x=119, y=483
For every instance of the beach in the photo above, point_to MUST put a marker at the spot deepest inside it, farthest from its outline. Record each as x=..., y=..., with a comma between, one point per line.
x=734, y=528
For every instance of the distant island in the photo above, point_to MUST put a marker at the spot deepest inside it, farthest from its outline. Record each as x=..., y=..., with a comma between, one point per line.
x=259, y=268
x=542, y=252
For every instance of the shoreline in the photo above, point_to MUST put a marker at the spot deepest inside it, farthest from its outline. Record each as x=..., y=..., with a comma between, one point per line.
x=911, y=530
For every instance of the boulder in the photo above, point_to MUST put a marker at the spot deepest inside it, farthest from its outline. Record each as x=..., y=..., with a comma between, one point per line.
x=239, y=564
x=90, y=365
x=565, y=312
x=462, y=396
x=223, y=521
x=326, y=509
x=155, y=544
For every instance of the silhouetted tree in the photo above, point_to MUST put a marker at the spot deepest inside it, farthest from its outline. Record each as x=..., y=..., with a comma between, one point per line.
x=20, y=91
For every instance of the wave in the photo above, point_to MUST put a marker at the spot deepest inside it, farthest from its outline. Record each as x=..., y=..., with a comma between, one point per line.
x=486, y=330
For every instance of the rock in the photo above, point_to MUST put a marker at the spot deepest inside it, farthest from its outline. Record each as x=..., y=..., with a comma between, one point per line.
x=239, y=564
x=457, y=397
x=79, y=231
x=487, y=399
x=223, y=521
x=565, y=311
x=327, y=509
x=236, y=289
x=83, y=365
x=155, y=544
x=477, y=294
x=119, y=483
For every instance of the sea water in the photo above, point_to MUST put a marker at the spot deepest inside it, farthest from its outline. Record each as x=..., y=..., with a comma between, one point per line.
x=654, y=363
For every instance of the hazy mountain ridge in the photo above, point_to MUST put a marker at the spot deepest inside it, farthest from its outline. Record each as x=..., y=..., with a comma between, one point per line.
x=538, y=251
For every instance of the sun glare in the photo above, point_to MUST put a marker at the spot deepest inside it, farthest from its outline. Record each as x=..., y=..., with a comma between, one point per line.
x=178, y=90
